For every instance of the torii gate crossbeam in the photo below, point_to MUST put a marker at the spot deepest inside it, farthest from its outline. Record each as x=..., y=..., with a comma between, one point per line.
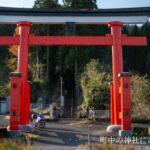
x=73, y=40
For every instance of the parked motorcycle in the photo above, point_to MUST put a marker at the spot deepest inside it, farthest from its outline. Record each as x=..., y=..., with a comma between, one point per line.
x=38, y=121
x=40, y=124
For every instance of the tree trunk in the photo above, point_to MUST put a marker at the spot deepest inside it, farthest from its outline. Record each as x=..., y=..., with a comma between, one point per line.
x=76, y=82
x=48, y=58
x=37, y=63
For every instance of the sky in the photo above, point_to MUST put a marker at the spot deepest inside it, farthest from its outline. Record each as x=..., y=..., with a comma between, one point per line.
x=101, y=3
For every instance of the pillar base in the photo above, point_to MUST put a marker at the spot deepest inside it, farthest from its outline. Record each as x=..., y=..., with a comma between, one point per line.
x=124, y=133
x=113, y=128
x=26, y=128
x=13, y=133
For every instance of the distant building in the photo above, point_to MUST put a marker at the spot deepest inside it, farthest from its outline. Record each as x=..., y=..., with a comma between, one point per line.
x=4, y=105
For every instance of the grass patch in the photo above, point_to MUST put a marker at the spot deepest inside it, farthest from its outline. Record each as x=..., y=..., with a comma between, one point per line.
x=12, y=145
x=108, y=146
x=21, y=143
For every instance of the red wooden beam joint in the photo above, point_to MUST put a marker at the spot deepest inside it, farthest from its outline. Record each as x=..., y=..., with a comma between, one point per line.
x=24, y=23
x=115, y=24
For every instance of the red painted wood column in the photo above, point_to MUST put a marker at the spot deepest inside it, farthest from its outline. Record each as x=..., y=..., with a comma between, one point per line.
x=125, y=101
x=117, y=67
x=27, y=102
x=112, y=103
x=15, y=80
x=24, y=28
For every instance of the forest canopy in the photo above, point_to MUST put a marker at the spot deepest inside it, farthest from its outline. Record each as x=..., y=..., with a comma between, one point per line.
x=48, y=64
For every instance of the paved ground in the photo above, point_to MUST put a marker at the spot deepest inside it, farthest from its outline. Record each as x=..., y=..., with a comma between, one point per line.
x=68, y=135
x=65, y=134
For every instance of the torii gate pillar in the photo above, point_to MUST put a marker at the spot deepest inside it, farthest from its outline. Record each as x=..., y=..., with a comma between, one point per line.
x=117, y=67
x=22, y=67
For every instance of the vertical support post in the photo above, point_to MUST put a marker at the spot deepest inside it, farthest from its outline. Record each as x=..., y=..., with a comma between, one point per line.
x=117, y=66
x=23, y=67
x=15, y=79
x=112, y=103
x=27, y=103
x=125, y=103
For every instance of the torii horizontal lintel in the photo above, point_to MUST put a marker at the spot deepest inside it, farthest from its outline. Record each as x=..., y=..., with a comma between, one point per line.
x=59, y=40
x=73, y=40
x=9, y=40
x=134, y=41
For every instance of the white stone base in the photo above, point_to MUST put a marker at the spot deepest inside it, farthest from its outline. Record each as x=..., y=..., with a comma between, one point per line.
x=113, y=128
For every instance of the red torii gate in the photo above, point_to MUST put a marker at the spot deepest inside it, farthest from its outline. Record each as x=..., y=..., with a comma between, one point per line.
x=116, y=39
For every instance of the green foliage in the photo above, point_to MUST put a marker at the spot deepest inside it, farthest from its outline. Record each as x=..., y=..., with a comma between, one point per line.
x=140, y=88
x=4, y=79
x=5, y=29
x=82, y=55
x=46, y=4
x=80, y=4
x=140, y=96
x=4, y=90
x=38, y=89
x=70, y=57
x=94, y=83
